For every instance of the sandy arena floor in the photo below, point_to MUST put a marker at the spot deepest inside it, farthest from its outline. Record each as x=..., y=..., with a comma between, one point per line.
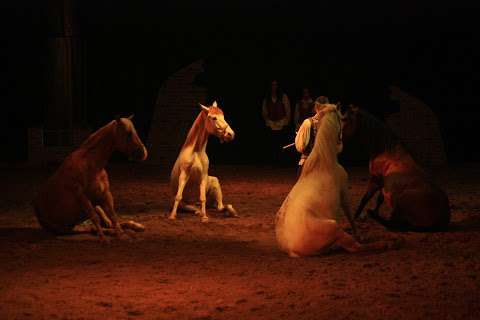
x=230, y=268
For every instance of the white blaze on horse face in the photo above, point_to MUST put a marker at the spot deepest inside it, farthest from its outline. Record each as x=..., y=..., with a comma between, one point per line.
x=220, y=128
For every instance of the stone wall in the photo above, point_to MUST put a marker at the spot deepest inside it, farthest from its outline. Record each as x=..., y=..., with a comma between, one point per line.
x=175, y=110
x=418, y=127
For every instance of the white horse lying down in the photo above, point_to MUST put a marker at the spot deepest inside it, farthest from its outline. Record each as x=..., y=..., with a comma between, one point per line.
x=306, y=222
x=189, y=177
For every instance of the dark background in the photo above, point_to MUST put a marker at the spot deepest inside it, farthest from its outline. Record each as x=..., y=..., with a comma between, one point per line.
x=349, y=52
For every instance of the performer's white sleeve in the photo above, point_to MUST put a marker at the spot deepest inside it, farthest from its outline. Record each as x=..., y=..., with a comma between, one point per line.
x=303, y=136
x=286, y=103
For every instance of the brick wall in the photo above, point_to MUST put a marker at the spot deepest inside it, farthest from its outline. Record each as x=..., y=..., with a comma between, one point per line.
x=175, y=110
x=40, y=154
x=417, y=126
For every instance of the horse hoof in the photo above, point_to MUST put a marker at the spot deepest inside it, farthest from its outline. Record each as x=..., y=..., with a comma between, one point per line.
x=132, y=225
x=204, y=219
x=232, y=212
x=170, y=217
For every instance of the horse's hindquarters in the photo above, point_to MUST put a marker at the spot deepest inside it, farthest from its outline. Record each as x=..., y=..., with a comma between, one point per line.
x=58, y=211
x=305, y=236
x=424, y=209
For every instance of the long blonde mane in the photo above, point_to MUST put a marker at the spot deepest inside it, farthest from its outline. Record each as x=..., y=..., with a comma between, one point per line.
x=324, y=151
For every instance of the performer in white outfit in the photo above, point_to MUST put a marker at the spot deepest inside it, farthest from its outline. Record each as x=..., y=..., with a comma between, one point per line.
x=305, y=138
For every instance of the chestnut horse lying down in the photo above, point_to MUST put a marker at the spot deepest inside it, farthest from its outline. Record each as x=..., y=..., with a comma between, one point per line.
x=306, y=223
x=415, y=202
x=80, y=190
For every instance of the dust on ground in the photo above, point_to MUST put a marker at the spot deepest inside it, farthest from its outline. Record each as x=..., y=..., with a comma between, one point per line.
x=230, y=268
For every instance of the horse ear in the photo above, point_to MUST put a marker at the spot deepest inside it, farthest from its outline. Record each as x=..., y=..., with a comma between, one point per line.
x=203, y=107
x=131, y=117
x=117, y=118
x=214, y=103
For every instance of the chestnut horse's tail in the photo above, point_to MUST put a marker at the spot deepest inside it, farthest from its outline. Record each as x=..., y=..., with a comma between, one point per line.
x=48, y=226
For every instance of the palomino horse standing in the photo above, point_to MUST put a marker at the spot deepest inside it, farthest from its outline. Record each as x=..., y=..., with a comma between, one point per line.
x=80, y=189
x=416, y=203
x=306, y=222
x=189, y=175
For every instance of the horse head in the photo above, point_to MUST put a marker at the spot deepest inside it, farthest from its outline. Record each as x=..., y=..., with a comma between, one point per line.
x=216, y=124
x=128, y=141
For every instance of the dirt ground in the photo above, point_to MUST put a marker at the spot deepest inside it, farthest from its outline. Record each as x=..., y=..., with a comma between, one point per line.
x=230, y=268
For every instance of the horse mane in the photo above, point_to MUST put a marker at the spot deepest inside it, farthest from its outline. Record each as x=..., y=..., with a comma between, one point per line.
x=324, y=151
x=194, y=132
x=94, y=138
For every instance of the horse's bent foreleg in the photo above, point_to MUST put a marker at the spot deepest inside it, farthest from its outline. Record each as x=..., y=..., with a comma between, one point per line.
x=216, y=195
x=203, y=198
x=345, y=204
x=189, y=207
x=103, y=216
x=394, y=223
x=348, y=243
x=182, y=181
x=91, y=212
x=108, y=204
x=380, y=200
x=373, y=187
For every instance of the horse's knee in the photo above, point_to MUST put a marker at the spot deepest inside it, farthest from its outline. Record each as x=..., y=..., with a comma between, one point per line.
x=213, y=182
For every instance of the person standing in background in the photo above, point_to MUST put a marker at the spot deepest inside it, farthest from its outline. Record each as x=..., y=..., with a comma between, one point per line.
x=303, y=108
x=276, y=114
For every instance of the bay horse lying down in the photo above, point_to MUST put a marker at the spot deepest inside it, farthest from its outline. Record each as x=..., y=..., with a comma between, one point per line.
x=189, y=177
x=415, y=202
x=80, y=189
x=306, y=223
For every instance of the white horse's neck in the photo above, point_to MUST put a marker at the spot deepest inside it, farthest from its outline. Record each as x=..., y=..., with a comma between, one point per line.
x=198, y=135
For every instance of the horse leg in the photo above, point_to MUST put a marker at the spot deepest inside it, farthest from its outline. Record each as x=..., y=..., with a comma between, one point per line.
x=103, y=216
x=189, y=207
x=109, y=207
x=203, y=198
x=348, y=243
x=345, y=204
x=92, y=213
x=372, y=188
x=380, y=200
x=394, y=223
x=182, y=181
x=215, y=191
